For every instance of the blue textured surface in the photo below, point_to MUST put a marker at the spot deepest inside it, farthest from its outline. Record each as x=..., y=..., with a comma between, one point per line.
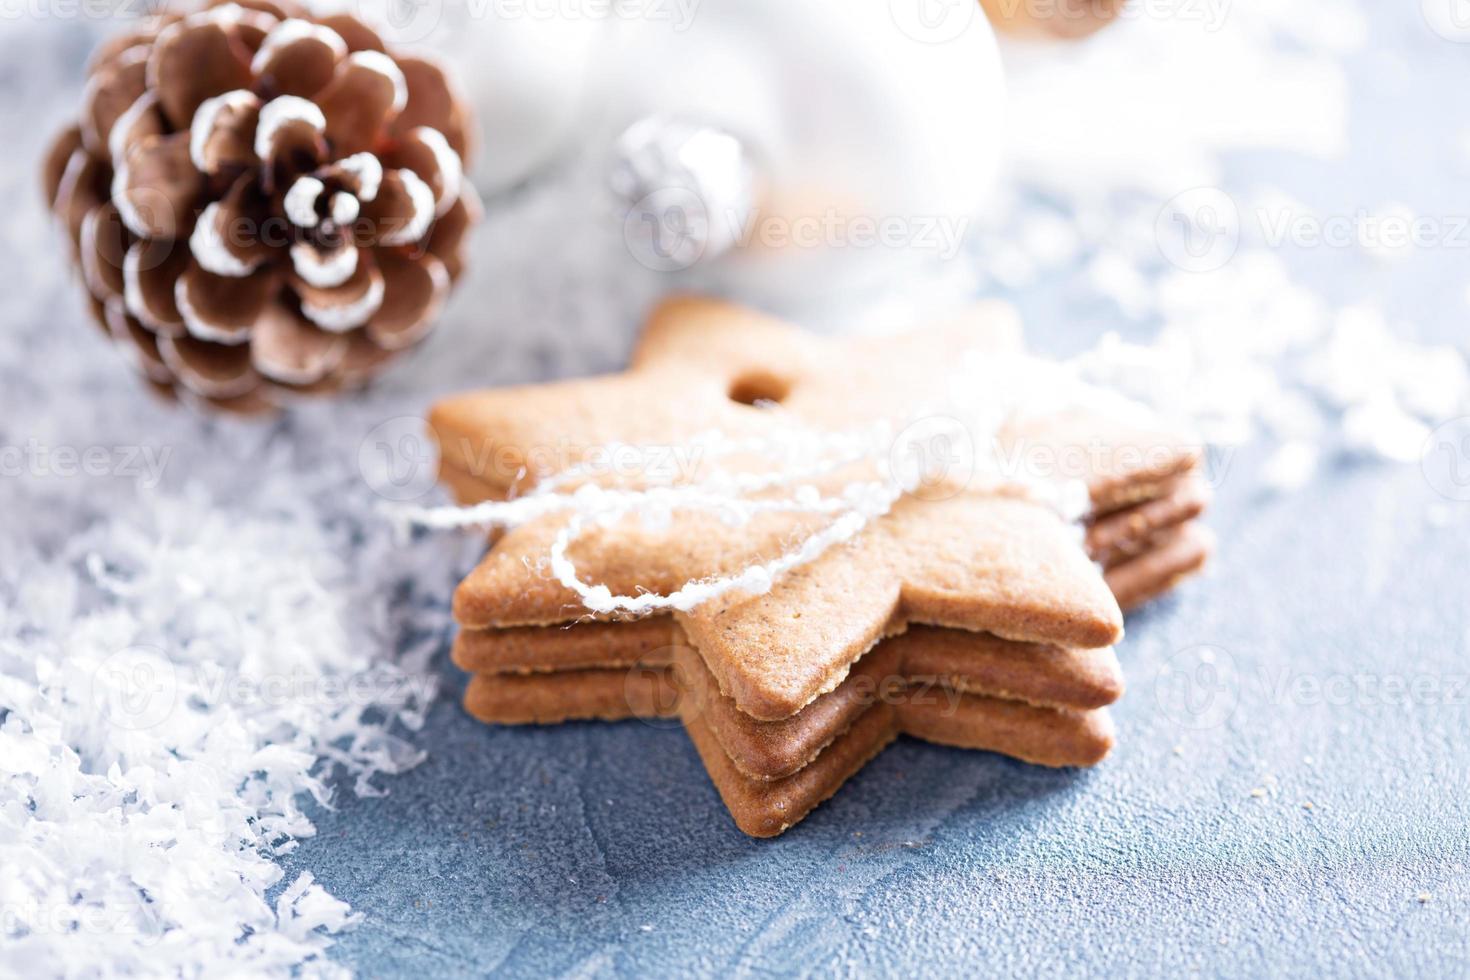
x=603, y=849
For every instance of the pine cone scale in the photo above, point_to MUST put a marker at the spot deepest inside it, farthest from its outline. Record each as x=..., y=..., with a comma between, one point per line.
x=347, y=306
x=418, y=289
x=298, y=58
x=104, y=244
x=141, y=345
x=157, y=189
x=111, y=93
x=150, y=270
x=289, y=349
x=218, y=137
x=211, y=370
x=224, y=309
x=366, y=91
x=433, y=102
x=191, y=63
x=446, y=241
x=143, y=119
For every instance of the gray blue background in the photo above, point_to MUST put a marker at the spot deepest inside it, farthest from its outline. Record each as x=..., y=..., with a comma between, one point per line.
x=1242, y=828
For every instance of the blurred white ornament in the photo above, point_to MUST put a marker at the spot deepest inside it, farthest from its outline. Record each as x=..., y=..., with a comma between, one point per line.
x=523, y=63
x=792, y=153
x=689, y=190
x=788, y=154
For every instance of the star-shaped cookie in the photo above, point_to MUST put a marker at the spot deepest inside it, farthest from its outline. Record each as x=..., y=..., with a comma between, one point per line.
x=1043, y=705
x=971, y=589
x=983, y=558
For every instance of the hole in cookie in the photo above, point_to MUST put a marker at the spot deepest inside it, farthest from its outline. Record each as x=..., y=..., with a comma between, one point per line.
x=752, y=388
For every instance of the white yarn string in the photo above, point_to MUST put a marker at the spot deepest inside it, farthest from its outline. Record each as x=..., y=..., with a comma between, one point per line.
x=859, y=504
x=722, y=494
x=796, y=456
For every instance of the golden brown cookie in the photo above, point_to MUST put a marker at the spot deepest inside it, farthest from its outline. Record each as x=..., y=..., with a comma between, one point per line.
x=700, y=366
x=766, y=808
x=1055, y=737
x=1182, y=553
x=982, y=558
x=1122, y=462
x=972, y=558
x=993, y=563
x=923, y=662
x=922, y=666
x=771, y=774
x=704, y=365
x=1111, y=540
x=1036, y=673
x=607, y=694
x=571, y=646
x=1114, y=538
x=1043, y=736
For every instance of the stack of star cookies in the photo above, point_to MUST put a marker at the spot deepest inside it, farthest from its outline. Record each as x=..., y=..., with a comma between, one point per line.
x=1143, y=528
x=968, y=613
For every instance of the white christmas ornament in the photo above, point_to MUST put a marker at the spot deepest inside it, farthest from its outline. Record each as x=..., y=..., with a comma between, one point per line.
x=805, y=150
x=787, y=154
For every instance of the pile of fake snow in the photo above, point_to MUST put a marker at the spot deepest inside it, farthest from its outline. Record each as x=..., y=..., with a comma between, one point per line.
x=1107, y=133
x=176, y=680
x=205, y=628
x=1246, y=354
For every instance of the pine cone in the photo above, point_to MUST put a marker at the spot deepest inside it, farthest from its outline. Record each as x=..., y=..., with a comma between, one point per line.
x=263, y=203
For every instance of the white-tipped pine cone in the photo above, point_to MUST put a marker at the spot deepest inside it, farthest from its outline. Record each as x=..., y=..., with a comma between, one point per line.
x=264, y=203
